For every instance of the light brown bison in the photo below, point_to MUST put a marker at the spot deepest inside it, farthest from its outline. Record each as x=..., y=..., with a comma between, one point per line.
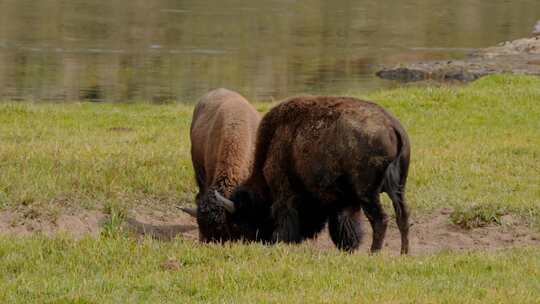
x=223, y=133
x=325, y=159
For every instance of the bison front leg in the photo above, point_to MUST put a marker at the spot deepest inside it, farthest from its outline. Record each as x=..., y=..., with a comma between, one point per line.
x=345, y=229
x=287, y=223
x=284, y=213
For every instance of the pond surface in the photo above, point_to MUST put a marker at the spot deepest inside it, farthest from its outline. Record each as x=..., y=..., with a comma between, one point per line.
x=163, y=50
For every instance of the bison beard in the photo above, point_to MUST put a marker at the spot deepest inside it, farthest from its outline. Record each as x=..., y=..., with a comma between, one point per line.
x=325, y=160
x=345, y=231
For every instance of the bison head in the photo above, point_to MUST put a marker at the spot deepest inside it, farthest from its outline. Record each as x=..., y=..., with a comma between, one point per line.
x=221, y=219
x=250, y=214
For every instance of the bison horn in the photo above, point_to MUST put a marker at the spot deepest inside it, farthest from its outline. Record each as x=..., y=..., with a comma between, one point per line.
x=190, y=211
x=225, y=202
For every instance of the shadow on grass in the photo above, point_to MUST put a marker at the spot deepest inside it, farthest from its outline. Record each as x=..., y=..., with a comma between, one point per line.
x=160, y=232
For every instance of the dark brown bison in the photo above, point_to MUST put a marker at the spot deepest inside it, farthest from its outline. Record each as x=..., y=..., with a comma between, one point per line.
x=223, y=133
x=325, y=159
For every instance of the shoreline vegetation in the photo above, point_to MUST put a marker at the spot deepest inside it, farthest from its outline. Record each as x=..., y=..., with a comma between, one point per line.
x=475, y=152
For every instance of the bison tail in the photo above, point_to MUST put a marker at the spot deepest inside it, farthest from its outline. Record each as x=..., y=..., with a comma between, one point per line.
x=393, y=184
x=396, y=173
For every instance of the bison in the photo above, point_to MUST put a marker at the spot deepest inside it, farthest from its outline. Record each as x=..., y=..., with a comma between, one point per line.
x=324, y=160
x=223, y=133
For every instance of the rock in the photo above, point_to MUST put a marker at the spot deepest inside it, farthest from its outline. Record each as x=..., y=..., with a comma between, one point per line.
x=170, y=264
x=536, y=29
x=509, y=220
x=520, y=56
x=403, y=74
x=446, y=211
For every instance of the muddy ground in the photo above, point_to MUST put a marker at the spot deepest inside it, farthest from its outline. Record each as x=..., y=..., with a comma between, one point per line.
x=430, y=233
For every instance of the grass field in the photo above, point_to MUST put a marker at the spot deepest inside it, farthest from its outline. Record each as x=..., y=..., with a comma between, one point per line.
x=119, y=270
x=476, y=149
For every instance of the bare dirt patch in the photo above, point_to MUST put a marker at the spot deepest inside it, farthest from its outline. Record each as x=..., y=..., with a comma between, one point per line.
x=430, y=233
x=433, y=232
x=76, y=224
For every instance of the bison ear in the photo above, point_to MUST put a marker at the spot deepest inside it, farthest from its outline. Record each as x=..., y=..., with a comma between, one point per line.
x=190, y=211
x=225, y=202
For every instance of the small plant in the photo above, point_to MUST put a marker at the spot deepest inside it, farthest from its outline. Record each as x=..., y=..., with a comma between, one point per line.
x=477, y=216
x=3, y=199
x=116, y=217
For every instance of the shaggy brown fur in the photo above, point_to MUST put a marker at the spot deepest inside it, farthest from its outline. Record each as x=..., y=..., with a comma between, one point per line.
x=223, y=133
x=325, y=159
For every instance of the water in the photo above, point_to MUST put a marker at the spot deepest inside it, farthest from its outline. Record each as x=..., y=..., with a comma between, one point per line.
x=165, y=50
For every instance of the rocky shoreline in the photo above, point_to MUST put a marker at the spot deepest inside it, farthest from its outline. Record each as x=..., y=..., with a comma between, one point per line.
x=521, y=56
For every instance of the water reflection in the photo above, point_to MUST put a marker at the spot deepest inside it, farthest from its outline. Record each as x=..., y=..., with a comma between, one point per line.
x=176, y=50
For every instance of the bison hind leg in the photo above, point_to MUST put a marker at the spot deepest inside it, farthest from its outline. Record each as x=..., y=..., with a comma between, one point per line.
x=402, y=216
x=345, y=230
x=394, y=186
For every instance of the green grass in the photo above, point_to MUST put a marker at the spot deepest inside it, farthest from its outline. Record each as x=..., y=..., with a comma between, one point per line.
x=476, y=149
x=477, y=145
x=56, y=154
x=85, y=154
x=119, y=270
x=477, y=216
